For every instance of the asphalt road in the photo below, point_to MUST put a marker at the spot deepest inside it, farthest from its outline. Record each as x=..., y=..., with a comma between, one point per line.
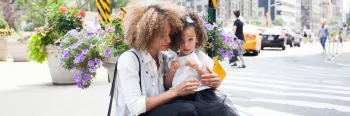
x=298, y=81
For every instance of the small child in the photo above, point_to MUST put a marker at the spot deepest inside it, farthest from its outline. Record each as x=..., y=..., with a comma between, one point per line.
x=190, y=63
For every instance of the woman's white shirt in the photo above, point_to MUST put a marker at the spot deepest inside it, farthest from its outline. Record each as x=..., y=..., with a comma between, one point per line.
x=130, y=100
x=185, y=72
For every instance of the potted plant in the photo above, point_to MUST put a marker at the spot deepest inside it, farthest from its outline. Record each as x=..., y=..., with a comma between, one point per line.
x=3, y=44
x=220, y=43
x=17, y=46
x=83, y=51
x=114, y=41
x=42, y=46
x=4, y=31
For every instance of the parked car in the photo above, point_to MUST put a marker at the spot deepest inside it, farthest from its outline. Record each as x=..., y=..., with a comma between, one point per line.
x=253, y=39
x=273, y=37
x=293, y=38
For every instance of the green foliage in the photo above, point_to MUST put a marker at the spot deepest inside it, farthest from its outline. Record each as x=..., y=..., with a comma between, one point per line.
x=3, y=23
x=114, y=39
x=278, y=22
x=36, y=46
x=332, y=34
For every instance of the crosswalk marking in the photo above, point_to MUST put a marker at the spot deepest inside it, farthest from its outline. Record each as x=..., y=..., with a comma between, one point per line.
x=259, y=111
x=306, y=104
x=229, y=82
x=291, y=83
x=319, y=73
x=283, y=93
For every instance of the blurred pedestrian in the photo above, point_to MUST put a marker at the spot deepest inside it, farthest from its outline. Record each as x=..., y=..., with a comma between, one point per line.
x=237, y=29
x=323, y=34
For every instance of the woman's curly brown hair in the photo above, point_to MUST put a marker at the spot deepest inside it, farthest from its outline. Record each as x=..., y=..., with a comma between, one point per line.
x=201, y=33
x=143, y=22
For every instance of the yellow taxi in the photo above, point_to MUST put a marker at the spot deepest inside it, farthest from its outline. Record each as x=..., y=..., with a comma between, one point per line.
x=252, y=36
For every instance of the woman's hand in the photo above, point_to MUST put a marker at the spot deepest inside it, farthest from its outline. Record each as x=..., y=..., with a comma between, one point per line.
x=211, y=80
x=186, y=87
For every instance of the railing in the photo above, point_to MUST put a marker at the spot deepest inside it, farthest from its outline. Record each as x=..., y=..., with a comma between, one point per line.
x=335, y=47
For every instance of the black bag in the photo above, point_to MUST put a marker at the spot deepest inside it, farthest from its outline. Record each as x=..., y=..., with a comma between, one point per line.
x=234, y=57
x=111, y=93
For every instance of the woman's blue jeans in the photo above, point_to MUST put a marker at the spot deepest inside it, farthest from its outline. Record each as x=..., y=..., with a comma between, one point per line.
x=323, y=42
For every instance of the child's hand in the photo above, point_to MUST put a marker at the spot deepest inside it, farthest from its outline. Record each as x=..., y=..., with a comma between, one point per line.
x=191, y=63
x=174, y=65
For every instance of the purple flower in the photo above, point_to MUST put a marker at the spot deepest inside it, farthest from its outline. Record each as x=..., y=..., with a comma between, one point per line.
x=82, y=58
x=74, y=46
x=85, y=51
x=94, y=28
x=109, y=29
x=73, y=32
x=86, y=77
x=59, y=47
x=82, y=70
x=91, y=63
x=204, y=21
x=77, y=78
x=92, y=69
x=73, y=68
x=89, y=35
x=108, y=52
x=80, y=42
x=79, y=58
x=80, y=84
x=200, y=14
x=222, y=51
x=97, y=61
x=66, y=55
x=209, y=27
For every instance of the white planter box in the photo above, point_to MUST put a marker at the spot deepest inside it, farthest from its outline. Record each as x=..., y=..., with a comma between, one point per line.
x=59, y=76
x=18, y=50
x=3, y=49
x=109, y=64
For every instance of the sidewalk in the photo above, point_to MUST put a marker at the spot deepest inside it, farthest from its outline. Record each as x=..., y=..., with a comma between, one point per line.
x=26, y=90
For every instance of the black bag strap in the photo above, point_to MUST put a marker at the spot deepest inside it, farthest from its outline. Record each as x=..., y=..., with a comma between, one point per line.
x=111, y=93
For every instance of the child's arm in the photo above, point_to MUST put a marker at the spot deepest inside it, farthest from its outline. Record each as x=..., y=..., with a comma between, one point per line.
x=169, y=77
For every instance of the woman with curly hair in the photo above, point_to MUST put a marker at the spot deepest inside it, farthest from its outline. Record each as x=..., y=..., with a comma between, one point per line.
x=140, y=71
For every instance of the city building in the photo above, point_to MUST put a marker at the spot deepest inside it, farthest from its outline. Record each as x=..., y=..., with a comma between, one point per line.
x=286, y=10
x=248, y=8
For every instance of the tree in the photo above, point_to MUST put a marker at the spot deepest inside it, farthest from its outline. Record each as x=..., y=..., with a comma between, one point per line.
x=278, y=22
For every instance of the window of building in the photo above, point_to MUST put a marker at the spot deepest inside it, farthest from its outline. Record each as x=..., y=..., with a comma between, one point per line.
x=199, y=8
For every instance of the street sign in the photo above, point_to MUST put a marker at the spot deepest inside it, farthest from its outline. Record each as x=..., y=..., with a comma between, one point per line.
x=104, y=10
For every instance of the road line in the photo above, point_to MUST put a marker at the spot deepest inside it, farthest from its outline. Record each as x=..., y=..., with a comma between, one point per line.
x=283, y=93
x=259, y=111
x=291, y=83
x=317, y=105
x=230, y=82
